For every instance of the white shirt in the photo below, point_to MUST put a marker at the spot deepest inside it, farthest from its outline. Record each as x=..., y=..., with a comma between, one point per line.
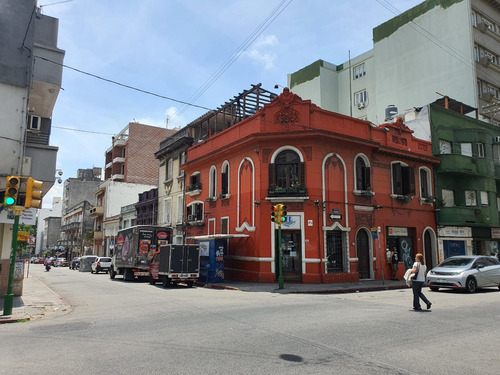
x=422, y=270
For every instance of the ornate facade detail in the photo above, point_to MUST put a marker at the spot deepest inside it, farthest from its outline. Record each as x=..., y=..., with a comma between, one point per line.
x=287, y=115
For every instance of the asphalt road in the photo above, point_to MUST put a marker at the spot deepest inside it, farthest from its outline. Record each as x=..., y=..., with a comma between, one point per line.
x=117, y=327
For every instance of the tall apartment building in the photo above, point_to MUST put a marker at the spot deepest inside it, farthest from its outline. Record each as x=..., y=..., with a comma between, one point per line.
x=30, y=80
x=131, y=168
x=437, y=48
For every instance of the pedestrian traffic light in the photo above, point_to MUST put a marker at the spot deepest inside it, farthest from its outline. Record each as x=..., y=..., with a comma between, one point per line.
x=33, y=193
x=11, y=190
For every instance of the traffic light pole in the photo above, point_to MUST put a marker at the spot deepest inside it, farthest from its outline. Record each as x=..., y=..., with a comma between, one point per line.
x=280, y=272
x=8, y=301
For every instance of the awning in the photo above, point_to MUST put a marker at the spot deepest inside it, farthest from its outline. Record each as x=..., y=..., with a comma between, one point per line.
x=217, y=236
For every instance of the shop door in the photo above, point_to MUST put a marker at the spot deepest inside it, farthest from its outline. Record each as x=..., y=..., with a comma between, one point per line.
x=291, y=255
x=428, y=250
x=363, y=249
x=452, y=248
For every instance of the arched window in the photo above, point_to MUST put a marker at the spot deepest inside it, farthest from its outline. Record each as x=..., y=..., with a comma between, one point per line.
x=224, y=189
x=213, y=182
x=425, y=183
x=362, y=170
x=287, y=171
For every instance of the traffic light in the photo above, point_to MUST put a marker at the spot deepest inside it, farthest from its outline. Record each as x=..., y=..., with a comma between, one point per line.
x=33, y=193
x=11, y=190
x=275, y=215
x=283, y=213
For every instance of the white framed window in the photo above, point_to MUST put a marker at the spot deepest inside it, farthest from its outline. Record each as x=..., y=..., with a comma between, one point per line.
x=182, y=157
x=212, y=185
x=425, y=182
x=35, y=123
x=224, y=225
x=444, y=147
x=473, y=19
x=483, y=195
x=480, y=150
x=476, y=53
x=169, y=174
x=361, y=97
x=362, y=178
x=167, y=211
x=448, y=197
x=470, y=198
x=224, y=189
x=180, y=209
x=211, y=226
x=466, y=149
x=195, y=211
x=498, y=204
x=358, y=71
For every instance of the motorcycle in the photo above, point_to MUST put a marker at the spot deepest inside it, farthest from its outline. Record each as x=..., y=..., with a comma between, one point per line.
x=47, y=267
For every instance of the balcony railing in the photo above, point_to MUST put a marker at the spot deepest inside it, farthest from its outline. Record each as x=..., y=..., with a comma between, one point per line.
x=96, y=211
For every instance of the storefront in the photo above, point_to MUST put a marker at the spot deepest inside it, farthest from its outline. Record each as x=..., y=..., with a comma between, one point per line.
x=454, y=241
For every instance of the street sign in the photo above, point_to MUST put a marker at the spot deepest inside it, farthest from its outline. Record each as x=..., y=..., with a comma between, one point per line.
x=31, y=240
x=374, y=233
x=22, y=236
x=335, y=216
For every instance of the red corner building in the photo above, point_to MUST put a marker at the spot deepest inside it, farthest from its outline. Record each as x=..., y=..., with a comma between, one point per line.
x=352, y=191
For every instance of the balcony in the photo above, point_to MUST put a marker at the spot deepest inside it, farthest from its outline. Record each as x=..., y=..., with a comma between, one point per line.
x=193, y=189
x=462, y=215
x=96, y=211
x=118, y=177
x=119, y=159
x=71, y=226
x=98, y=236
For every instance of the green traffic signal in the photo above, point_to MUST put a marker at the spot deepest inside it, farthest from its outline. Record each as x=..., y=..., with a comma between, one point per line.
x=9, y=201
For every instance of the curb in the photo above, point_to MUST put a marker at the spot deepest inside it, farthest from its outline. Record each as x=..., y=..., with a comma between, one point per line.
x=11, y=319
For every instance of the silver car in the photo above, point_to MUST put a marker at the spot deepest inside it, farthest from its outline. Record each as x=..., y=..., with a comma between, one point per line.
x=465, y=272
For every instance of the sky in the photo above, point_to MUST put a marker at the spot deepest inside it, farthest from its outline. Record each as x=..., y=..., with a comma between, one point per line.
x=140, y=60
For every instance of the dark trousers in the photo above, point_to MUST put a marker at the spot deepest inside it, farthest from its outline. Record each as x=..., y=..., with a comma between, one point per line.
x=417, y=293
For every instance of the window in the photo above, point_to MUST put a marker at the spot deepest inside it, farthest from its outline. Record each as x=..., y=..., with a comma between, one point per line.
x=484, y=198
x=362, y=171
x=194, y=211
x=476, y=53
x=466, y=149
x=470, y=198
x=358, y=71
x=35, y=123
x=448, y=198
x=224, y=189
x=444, y=147
x=167, y=211
x=169, y=166
x=473, y=19
x=182, y=157
x=360, y=97
x=425, y=183
x=180, y=209
x=194, y=182
x=224, y=225
x=335, y=246
x=212, y=193
x=403, y=179
x=480, y=150
x=287, y=172
x=479, y=89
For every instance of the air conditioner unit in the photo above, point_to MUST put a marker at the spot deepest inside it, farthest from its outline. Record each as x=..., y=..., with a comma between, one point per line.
x=497, y=139
x=361, y=105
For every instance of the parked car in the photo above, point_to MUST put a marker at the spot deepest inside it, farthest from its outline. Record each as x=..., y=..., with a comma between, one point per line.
x=41, y=260
x=75, y=263
x=60, y=262
x=101, y=264
x=466, y=273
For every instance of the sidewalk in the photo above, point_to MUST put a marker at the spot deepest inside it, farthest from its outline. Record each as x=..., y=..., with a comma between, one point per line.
x=39, y=301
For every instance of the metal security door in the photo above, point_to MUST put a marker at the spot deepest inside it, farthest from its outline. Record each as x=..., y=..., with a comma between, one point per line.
x=363, y=249
x=291, y=255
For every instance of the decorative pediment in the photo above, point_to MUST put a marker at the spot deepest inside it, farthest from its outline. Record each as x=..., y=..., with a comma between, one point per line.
x=287, y=114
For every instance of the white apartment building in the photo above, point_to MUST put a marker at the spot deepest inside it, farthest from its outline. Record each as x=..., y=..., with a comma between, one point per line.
x=437, y=48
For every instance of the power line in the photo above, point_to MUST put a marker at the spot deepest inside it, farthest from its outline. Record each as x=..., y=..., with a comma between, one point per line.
x=122, y=84
x=236, y=54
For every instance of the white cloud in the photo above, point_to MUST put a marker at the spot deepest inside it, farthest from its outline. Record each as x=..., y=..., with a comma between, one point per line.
x=260, y=51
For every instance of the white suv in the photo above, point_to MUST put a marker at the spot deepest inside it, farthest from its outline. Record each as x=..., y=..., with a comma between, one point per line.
x=101, y=264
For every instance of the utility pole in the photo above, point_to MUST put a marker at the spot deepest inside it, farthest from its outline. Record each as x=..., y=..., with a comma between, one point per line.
x=8, y=301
